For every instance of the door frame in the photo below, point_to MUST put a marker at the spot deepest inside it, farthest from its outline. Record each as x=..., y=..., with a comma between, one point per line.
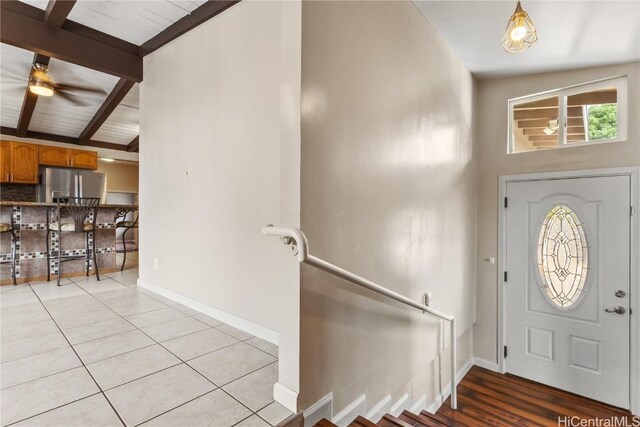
x=634, y=301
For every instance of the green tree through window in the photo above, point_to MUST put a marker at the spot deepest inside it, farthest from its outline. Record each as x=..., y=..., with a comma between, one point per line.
x=602, y=121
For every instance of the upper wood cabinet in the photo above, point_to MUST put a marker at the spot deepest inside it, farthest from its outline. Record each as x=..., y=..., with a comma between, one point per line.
x=83, y=159
x=53, y=156
x=23, y=163
x=67, y=157
x=5, y=161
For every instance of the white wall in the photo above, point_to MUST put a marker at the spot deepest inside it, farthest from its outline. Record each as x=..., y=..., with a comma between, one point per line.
x=388, y=192
x=219, y=144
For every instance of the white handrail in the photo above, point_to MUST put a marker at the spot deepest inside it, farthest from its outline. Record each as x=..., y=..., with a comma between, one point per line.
x=296, y=238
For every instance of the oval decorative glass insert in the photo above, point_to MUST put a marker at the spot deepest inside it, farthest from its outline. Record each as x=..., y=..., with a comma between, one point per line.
x=563, y=260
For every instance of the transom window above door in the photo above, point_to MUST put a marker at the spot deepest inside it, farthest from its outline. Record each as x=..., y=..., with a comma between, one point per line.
x=589, y=113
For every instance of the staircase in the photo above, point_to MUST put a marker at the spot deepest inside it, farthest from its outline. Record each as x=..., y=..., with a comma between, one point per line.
x=444, y=417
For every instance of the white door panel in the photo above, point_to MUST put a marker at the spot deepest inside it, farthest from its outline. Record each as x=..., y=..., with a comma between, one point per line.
x=567, y=253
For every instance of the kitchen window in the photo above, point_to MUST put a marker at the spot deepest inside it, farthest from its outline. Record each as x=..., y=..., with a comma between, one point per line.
x=590, y=113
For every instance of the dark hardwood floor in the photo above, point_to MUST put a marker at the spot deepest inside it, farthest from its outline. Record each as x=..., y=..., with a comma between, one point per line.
x=486, y=398
x=489, y=398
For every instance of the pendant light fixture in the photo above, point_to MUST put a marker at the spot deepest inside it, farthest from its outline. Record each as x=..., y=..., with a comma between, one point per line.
x=520, y=33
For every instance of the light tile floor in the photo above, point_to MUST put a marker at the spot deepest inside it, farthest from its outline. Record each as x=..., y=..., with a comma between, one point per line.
x=108, y=353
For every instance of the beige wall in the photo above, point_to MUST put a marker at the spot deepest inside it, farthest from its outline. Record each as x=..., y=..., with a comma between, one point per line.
x=219, y=144
x=121, y=177
x=388, y=192
x=494, y=161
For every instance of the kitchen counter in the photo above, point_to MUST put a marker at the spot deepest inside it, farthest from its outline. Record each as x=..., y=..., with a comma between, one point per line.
x=30, y=225
x=44, y=204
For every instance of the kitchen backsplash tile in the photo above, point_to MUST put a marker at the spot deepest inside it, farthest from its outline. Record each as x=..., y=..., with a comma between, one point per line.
x=19, y=192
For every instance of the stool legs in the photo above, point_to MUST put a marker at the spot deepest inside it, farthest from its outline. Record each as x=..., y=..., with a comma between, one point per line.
x=13, y=257
x=124, y=249
x=59, y=260
x=95, y=259
x=48, y=254
x=86, y=253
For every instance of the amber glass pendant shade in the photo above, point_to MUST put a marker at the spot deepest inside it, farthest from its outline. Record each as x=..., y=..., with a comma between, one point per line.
x=520, y=33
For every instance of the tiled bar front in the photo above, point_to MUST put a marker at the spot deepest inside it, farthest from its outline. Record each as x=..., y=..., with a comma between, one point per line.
x=30, y=225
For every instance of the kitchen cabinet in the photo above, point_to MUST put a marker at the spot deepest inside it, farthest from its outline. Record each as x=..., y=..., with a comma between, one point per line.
x=5, y=161
x=83, y=159
x=19, y=162
x=53, y=156
x=67, y=157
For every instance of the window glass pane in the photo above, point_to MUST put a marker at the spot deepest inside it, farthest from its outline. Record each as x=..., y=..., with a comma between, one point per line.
x=592, y=116
x=562, y=257
x=535, y=125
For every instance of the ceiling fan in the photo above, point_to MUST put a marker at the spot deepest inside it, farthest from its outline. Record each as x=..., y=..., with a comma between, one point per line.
x=41, y=84
x=553, y=126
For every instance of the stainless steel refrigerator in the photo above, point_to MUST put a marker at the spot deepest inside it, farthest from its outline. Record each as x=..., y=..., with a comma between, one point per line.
x=58, y=182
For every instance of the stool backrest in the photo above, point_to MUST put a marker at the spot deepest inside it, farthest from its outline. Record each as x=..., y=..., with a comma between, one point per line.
x=80, y=209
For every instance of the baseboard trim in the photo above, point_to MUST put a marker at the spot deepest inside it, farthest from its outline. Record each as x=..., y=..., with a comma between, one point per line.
x=323, y=408
x=418, y=405
x=235, y=321
x=351, y=412
x=379, y=409
x=437, y=402
x=483, y=363
x=286, y=397
x=400, y=405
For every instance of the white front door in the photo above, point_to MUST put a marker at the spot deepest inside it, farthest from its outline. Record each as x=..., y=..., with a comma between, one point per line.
x=567, y=285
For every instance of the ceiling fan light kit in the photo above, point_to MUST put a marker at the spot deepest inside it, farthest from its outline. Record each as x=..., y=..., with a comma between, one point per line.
x=40, y=88
x=41, y=84
x=520, y=33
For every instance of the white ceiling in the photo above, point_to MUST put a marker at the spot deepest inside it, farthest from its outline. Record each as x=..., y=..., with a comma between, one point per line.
x=123, y=123
x=15, y=65
x=59, y=116
x=133, y=21
x=571, y=34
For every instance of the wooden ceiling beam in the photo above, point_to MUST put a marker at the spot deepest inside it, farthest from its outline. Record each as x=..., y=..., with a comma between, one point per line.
x=30, y=99
x=554, y=138
x=545, y=113
x=119, y=91
x=55, y=15
x=202, y=14
x=543, y=138
x=60, y=138
x=134, y=145
x=545, y=144
x=543, y=123
x=57, y=12
x=593, y=98
x=588, y=98
x=19, y=27
x=571, y=130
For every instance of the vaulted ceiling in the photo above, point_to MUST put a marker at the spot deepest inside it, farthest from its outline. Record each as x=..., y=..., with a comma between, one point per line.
x=571, y=34
x=93, y=44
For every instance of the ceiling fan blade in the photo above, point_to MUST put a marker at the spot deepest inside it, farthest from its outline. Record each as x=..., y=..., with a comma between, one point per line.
x=70, y=98
x=9, y=74
x=68, y=87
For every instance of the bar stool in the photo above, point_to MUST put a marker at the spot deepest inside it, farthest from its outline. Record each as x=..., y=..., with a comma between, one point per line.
x=4, y=229
x=127, y=225
x=81, y=214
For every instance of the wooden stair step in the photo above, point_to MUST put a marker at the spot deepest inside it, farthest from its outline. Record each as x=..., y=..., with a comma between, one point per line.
x=463, y=418
x=394, y=421
x=361, y=421
x=440, y=418
x=325, y=423
x=420, y=420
